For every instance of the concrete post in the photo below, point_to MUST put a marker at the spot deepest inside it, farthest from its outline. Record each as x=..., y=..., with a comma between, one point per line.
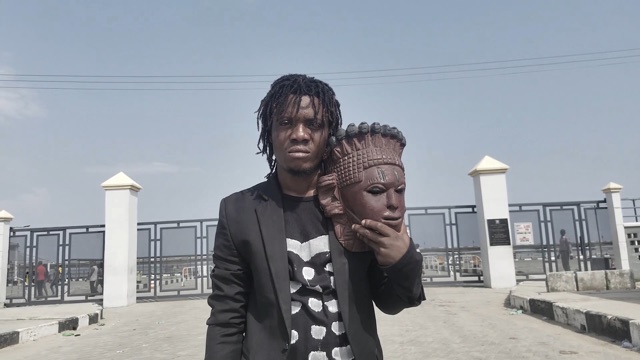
x=5, y=220
x=120, y=247
x=616, y=223
x=489, y=179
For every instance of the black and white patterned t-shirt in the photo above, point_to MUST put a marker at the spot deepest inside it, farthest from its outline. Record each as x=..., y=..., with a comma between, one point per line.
x=317, y=330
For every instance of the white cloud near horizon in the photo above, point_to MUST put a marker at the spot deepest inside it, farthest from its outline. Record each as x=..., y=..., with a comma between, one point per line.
x=155, y=167
x=18, y=104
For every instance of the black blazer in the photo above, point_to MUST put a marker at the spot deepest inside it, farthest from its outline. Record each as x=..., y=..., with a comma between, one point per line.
x=251, y=302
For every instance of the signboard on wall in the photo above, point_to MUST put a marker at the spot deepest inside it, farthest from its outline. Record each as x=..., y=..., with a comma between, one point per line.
x=524, y=233
x=498, y=230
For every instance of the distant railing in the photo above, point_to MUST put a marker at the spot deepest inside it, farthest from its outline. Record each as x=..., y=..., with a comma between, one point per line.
x=631, y=209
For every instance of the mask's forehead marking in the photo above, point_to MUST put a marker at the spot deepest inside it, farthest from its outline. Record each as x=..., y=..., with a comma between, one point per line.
x=381, y=177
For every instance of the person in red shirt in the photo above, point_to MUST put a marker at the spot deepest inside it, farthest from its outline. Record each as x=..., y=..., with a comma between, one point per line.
x=41, y=277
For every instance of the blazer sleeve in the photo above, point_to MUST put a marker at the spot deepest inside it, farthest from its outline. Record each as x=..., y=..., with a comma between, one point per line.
x=399, y=286
x=231, y=281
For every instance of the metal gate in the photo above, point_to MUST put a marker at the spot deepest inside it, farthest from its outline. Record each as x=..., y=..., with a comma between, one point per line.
x=68, y=251
x=174, y=258
x=585, y=224
x=449, y=240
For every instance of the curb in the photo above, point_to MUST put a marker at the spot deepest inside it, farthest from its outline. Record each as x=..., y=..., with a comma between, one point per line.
x=614, y=327
x=33, y=333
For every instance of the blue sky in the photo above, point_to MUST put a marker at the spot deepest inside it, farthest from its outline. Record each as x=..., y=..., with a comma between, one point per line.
x=565, y=131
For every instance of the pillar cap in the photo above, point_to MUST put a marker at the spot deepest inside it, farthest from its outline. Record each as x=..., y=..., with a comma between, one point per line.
x=5, y=216
x=612, y=188
x=489, y=165
x=121, y=181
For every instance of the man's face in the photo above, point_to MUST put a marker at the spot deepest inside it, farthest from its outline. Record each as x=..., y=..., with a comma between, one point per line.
x=299, y=140
x=379, y=196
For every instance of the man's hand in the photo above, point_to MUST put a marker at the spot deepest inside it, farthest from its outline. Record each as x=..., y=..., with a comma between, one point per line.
x=388, y=245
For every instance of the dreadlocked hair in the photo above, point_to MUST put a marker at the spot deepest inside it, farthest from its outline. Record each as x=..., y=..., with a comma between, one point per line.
x=276, y=102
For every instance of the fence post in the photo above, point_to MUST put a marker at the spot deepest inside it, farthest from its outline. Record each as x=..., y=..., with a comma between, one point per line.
x=5, y=220
x=616, y=223
x=492, y=204
x=121, y=236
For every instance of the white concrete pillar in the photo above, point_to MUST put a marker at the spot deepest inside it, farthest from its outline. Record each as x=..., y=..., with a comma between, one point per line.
x=616, y=223
x=5, y=220
x=492, y=204
x=120, y=247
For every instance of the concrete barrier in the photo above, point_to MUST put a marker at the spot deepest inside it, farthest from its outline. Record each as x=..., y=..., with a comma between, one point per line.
x=617, y=328
x=614, y=327
x=519, y=302
x=591, y=280
x=561, y=281
x=570, y=316
x=620, y=279
x=597, y=280
x=634, y=329
x=34, y=333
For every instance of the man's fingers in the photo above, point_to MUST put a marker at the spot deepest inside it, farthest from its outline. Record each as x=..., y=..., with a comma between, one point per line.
x=369, y=235
x=378, y=227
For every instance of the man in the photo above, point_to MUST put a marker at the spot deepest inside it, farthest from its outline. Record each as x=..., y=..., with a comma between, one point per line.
x=41, y=278
x=54, y=279
x=565, y=250
x=100, y=282
x=93, y=278
x=276, y=255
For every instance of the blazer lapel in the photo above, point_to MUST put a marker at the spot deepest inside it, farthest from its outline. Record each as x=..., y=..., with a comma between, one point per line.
x=271, y=222
x=340, y=275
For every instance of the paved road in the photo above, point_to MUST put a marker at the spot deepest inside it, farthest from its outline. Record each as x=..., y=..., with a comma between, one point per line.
x=455, y=323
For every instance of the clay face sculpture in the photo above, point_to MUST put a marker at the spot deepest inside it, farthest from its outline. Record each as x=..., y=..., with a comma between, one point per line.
x=364, y=180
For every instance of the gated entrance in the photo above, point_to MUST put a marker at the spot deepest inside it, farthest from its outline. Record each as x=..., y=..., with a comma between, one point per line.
x=174, y=257
x=70, y=252
x=449, y=241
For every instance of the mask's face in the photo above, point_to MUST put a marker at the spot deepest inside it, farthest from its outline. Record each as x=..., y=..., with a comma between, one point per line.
x=379, y=196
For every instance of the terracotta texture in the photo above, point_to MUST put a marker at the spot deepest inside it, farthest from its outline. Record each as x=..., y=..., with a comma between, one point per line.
x=364, y=180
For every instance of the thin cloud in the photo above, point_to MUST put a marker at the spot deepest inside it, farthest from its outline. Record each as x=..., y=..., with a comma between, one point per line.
x=18, y=104
x=140, y=168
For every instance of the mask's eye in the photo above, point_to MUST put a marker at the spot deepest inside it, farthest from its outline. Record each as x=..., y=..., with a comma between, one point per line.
x=400, y=190
x=376, y=190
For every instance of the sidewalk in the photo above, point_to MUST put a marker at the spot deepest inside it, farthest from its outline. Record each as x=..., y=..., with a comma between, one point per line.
x=613, y=314
x=27, y=323
x=449, y=322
